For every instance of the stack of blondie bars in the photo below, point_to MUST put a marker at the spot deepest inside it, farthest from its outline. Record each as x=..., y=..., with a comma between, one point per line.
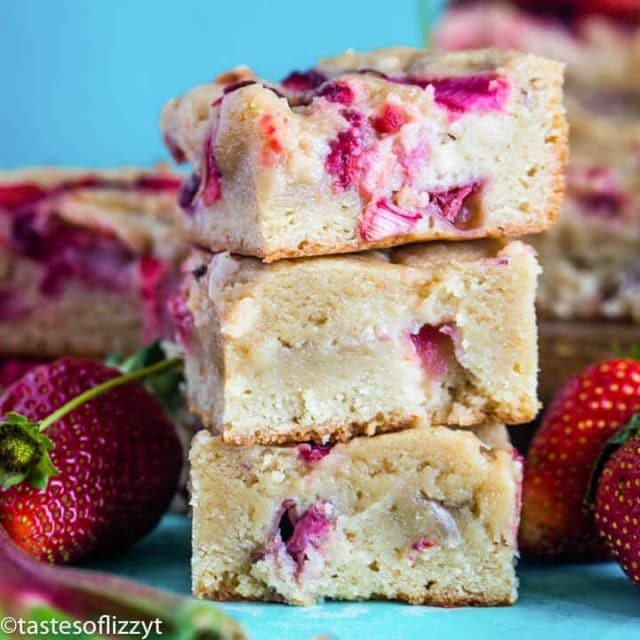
x=355, y=389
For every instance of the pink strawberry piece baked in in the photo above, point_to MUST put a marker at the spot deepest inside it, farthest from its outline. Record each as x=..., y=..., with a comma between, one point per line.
x=87, y=259
x=372, y=150
x=427, y=516
x=327, y=348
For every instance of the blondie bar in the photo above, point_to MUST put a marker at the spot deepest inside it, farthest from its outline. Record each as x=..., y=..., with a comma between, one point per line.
x=425, y=516
x=326, y=348
x=592, y=257
x=372, y=150
x=87, y=259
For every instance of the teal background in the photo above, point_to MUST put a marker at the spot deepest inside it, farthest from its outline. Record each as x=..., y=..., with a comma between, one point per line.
x=83, y=81
x=580, y=602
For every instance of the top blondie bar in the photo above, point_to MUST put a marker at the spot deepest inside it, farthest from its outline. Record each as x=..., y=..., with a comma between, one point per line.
x=372, y=150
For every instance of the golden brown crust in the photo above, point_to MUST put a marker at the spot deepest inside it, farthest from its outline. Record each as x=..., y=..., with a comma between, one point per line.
x=338, y=432
x=506, y=231
x=332, y=431
x=446, y=600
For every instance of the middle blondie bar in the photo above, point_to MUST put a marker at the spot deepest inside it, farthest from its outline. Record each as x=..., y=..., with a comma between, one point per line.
x=328, y=348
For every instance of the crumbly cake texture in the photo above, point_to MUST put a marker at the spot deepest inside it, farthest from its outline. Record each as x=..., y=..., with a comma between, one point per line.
x=590, y=258
x=87, y=259
x=372, y=150
x=327, y=348
x=426, y=516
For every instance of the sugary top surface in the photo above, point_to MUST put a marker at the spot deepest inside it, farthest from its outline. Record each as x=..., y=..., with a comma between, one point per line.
x=186, y=120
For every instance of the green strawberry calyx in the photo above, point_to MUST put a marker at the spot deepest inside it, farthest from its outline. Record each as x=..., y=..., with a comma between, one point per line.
x=24, y=453
x=630, y=351
x=24, y=446
x=620, y=437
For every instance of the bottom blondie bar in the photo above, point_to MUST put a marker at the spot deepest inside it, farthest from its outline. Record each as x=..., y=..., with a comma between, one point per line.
x=426, y=515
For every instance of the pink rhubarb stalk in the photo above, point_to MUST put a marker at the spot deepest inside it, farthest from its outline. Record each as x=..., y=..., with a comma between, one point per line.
x=31, y=590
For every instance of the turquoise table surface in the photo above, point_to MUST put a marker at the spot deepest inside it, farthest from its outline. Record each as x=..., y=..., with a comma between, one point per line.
x=583, y=602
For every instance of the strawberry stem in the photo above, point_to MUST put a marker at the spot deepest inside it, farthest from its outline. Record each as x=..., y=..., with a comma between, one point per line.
x=165, y=386
x=105, y=386
x=24, y=446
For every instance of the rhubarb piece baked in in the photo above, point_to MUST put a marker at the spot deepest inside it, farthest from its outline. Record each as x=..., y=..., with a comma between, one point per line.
x=372, y=150
x=424, y=516
x=328, y=348
x=87, y=259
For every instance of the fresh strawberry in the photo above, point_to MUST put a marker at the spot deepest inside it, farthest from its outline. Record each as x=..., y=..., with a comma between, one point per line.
x=88, y=459
x=617, y=499
x=587, y=411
